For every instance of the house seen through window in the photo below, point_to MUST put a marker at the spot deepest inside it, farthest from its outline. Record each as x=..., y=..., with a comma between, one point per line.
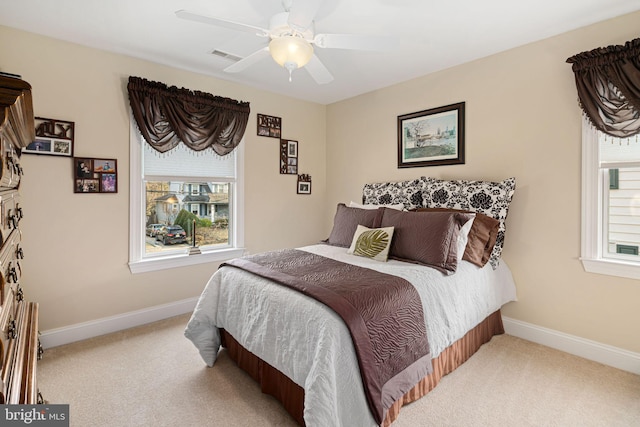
x=607, y=79
x=186, y=164
x=619, y=162
x=179, y=204
x=170, y=192
x=610, y=203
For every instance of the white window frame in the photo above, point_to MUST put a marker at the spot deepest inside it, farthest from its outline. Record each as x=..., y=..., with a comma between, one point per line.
x=594, y=216
x=138, y=263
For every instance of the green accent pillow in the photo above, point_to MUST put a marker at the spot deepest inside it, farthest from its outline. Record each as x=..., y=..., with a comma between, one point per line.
x=372, y=243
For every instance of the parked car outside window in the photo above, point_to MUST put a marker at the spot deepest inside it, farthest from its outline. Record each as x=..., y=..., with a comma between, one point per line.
x=152, y=229
x=171, y=234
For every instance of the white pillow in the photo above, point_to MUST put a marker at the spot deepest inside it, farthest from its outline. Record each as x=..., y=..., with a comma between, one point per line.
x=463, y=237
x=372, y=243
x=353, y=204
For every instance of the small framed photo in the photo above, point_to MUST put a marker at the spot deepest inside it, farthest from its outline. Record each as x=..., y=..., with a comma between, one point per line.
x=87, y=186
x=93, y=175
x=304, y=184
x=104, y=166
x=269, y=126
x=432, y=137
x=108, y=183
x=288, y=157
x=292, y=148
x=53, y=137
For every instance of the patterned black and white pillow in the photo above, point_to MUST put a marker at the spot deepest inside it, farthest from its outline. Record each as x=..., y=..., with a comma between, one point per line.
x=409, y=193
x=486, y=197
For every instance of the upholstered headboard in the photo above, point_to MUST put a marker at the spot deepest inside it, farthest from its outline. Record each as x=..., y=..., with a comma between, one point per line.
x=409, y=193
x=486, y=197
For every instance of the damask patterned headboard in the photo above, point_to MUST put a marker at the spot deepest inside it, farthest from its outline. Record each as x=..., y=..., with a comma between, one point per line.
x=409, y=193
x=491, y=198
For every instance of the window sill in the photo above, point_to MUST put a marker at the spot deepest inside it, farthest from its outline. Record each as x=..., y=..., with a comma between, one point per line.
x=610, y=267
x=182, y=260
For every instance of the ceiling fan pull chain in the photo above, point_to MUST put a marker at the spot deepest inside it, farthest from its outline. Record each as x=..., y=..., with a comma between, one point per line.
x=290, y=66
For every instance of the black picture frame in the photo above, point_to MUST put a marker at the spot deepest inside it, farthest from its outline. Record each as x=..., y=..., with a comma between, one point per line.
x=95, y=175
x=304, y=184
x=432, y=137
x=288, y=157
x=53, y=137
x=269, y=126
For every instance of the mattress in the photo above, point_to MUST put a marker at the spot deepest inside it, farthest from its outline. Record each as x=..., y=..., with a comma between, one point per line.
x=310, y=344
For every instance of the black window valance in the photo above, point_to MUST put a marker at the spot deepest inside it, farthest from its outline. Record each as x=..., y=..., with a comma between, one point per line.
x=167, y=116
x=608, y=83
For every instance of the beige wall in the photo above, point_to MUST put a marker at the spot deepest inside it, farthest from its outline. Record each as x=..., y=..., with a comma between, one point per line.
x=522, y=120
x=77, y=245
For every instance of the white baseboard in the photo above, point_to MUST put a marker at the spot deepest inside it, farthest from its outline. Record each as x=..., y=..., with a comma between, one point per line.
x=106, y=325
x=592, y=350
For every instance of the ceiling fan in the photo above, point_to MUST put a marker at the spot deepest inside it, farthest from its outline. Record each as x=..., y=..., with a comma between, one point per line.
x=291, y=37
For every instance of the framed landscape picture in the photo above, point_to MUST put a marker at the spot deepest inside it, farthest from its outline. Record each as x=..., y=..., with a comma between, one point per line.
x=431, y=137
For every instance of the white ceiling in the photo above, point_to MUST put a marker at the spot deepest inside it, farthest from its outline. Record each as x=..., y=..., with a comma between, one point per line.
x=433, y=35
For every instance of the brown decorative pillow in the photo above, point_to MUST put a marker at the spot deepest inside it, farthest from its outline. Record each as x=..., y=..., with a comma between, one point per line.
x=481, y=238
x=427, y=238
x=346, y=221
x=490, y=198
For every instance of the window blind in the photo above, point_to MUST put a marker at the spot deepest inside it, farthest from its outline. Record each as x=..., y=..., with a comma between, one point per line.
x=618, y=152
x=184, y=162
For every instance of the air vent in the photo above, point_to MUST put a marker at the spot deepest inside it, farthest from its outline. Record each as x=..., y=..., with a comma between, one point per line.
x=226, y=55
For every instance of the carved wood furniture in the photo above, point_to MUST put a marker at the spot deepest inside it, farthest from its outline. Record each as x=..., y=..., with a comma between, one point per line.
x=19, y=345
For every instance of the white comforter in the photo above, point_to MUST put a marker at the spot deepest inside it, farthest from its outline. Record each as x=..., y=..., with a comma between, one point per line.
x=310, y=344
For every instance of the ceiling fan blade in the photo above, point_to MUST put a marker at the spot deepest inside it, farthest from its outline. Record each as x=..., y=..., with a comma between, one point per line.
x=301, y=14
x=225, y=23
x=318, y=71
x=248, y=61
x=355, y=42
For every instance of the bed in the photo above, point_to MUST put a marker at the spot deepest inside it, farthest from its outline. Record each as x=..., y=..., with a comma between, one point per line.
x=302, y=352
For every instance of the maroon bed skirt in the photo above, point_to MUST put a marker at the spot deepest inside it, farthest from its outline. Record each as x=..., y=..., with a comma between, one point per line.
x=291, y=395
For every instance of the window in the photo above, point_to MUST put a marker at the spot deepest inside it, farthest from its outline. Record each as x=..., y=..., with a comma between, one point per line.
x=611, y=203
x=181, y=184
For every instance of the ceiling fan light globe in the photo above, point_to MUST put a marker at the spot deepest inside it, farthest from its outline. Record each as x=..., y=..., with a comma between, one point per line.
x=290, y=50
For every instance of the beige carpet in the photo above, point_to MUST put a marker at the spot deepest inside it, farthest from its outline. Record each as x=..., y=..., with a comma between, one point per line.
x=153, y=376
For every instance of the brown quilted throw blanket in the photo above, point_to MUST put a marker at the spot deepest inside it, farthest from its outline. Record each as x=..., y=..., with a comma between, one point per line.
x=383, y=313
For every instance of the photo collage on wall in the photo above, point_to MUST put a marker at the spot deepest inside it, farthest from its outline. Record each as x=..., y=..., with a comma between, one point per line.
x=271, y=126
x=95, y=175
x=288, y=157
x=53, y=137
